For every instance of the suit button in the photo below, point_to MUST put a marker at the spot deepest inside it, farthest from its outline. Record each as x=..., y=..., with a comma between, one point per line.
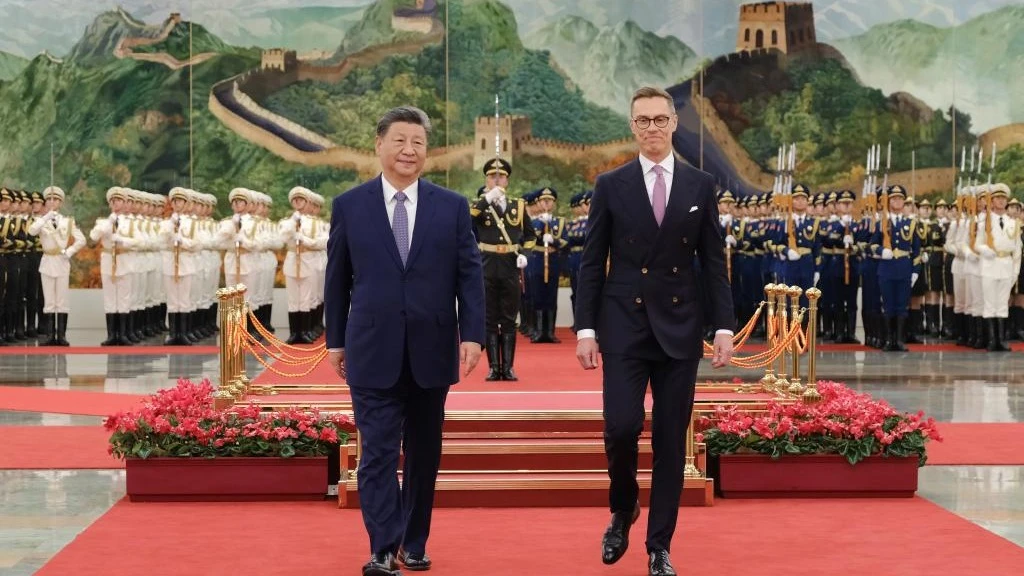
x=639, y=300
x=684, y=240
x=643, y=270
x=675, y=300
x=674, y=269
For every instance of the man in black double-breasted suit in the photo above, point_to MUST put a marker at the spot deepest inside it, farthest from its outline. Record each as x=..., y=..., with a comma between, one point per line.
x=637, y=305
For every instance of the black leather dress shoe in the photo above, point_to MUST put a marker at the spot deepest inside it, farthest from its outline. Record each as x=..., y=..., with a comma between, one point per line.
x=658, y=564
x=414, y=562
x=381, y=564
x=616, y=537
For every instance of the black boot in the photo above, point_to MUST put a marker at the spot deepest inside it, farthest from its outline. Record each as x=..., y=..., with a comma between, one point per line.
x=493, y=358
x=980, y=334
x=307, y=325
x=948, y=323
x=293, y=328
x=176, y=330
x=963, y=330
x=1019, y=324
x=60, y=336
x=931, y=319
x=30, y=322
x=161, y=313
x=538, y=321
x=995, y=335
x=111, y=330
x=848, y=335
x=45, y=332
x=508, y=356
x=913, y=326
x=122, y=330
x=550, y=326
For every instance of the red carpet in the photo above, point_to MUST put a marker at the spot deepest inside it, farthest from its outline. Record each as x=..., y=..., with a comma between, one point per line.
x=65, y=401
x=864, y=537
x=141, y=350
x=55, y=447
x=981, y=444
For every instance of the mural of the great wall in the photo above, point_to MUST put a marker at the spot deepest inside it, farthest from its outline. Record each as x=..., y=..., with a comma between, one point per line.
x=268, y=94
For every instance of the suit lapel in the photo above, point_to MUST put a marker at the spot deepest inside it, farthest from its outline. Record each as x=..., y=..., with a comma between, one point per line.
x=638, y=202
x=422, y=224
x=378, y=213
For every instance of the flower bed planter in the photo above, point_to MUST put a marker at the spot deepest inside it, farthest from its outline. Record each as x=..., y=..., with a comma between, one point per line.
x=226, y=479
x=813, y=476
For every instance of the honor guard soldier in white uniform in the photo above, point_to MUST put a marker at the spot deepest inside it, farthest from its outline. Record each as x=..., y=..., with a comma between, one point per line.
x=178, y=233
x=998, y=243
x=270, y=242
x=305, y=238
x=61, y=239
x=321, y=268
x=115, y=237
x=156, y=298
x=237, y=237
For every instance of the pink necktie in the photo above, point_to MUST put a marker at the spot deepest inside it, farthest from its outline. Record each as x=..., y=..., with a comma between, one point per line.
x=658, y=201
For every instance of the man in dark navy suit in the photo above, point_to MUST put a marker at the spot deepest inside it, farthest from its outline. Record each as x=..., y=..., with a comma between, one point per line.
x=401, y=254
x=642, y=313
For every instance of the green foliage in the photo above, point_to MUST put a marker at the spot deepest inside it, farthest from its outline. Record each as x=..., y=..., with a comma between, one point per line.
x=1010, y=169
x=834, y=120
x=11, y=65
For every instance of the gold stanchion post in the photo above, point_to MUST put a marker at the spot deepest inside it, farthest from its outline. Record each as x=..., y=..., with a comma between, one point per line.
x=768, y=380
x=781, y=382
x=795, y=387
x=811, y=392
x=224, y=397
x=243, y=325
x=691, y=470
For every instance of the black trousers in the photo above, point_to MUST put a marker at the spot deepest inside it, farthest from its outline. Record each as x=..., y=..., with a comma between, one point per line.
x=673, y=383
x=502, y=293
x=33, y=288
x=14, y=299
x=408, y=417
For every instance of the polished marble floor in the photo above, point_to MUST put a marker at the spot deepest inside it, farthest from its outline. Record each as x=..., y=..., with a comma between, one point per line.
x=40, y=511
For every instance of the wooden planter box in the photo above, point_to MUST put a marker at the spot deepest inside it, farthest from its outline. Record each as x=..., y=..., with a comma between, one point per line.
x=813, y=476
x=226, y=479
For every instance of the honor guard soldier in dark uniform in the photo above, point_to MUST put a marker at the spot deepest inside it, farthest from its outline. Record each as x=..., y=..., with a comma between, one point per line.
x=504, y=232
x=1016, y=210
x=33, y=284
x=576, y=235
x=898, y=246
x=947, y=321
x=544, y=269
x=527, y=324
x=20, y=246
x=933, y=243
x=831, y=250
x=6, y=247
x=842, y=275
x=802, y=260
x=746, y=260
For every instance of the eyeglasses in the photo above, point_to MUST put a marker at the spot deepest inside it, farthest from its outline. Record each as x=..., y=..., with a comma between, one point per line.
x=643, y=122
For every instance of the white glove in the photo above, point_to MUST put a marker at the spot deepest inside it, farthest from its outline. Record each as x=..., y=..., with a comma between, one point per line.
x=175, y=218
x=237, y=219
x=521, y=261
x=730, y=240
x=848, y=240
x=986, y=252
x=913, y=279
x=725, y=219
x=924, y=257
x=549, y=239
x=494, y=194
x=65, y=255
x=793, y=255
x=833, y=218
x=887, y=254
x=817, y=276
x=971, y=254
x=847, y=219
x=296, y=215
x=951, y=249
x=545, y=217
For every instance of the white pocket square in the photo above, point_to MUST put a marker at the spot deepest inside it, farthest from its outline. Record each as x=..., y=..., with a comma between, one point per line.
x=693, y=208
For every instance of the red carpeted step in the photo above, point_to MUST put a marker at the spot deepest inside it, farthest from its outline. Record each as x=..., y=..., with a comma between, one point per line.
x=31, y=399
x=532, y=489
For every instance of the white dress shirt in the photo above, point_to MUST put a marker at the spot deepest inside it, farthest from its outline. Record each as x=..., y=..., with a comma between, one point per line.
x=412, y=196
x=650, y=176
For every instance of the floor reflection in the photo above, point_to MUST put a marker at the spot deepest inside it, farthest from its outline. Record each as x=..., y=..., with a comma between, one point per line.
x=42, y=510
x=990, y=496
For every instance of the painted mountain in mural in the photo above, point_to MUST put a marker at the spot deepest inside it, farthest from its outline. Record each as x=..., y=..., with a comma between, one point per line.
x=302, y=28
x=11, y=65
x=979, y=63
x=609, y=63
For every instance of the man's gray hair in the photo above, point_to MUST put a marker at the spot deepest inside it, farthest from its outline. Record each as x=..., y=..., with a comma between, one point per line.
x=408, y=114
